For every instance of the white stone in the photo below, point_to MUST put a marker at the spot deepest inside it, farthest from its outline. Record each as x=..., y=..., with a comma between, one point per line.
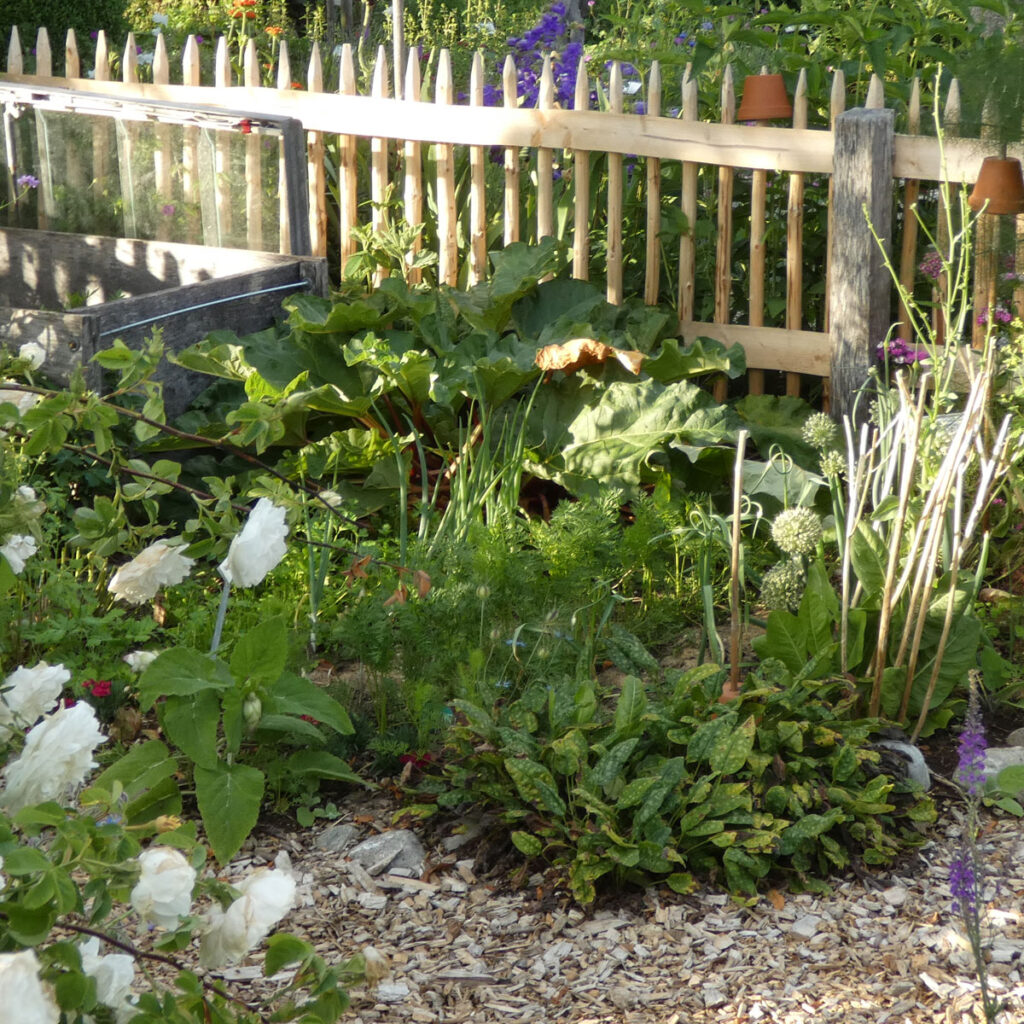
x=998, y=758
x=895, y=895
x=805, y=927
x=395, y=850
x=392, y=991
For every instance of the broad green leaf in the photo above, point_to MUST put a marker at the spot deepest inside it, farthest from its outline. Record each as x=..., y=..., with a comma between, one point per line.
x=293, y=695
x=260, y=655
x=706, y=737
x=774, y=420
x=682, y=882
x=869, y=555
x=568, y=753
x=229, y=798
x=144, y=765
x=702, y=357
x=610, y=764
x=630, y=708
x=673, y=771
x=635, y=791
x=810, y=826
x=535, y=784
x=784, y=638
x=527, y=843
x=323, y=765
x=819, y=608
x=190, y=723
x=1011, y=779
x=181, y=671
x=730, y=750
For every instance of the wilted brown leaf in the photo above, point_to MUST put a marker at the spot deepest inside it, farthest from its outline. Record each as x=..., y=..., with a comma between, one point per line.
x=421, y=581
x=578, y=352
x=357, y=570
x=400, y=596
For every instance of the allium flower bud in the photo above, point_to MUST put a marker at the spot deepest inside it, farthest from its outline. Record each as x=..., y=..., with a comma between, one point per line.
x=833, y=463
x=783, y=586
x=797, y=531
x=820, y=431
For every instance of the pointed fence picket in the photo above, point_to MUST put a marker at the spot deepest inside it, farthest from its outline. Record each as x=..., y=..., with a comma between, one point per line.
x=381, y=145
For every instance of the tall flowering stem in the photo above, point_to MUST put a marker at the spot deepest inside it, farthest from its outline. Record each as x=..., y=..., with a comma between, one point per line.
x=965, y=873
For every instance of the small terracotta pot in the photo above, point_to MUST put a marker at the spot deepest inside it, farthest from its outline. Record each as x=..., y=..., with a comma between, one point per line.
x=1001, y=183
x=764, y=99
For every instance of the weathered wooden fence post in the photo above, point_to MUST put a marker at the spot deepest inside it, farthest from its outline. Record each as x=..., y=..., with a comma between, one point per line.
x=860, y=314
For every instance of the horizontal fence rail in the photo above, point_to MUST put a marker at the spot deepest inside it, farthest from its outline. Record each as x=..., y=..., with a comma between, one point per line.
x=376, y=152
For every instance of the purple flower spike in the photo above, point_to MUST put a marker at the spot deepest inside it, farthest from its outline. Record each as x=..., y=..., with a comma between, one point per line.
x=970, y=770
x=28, y=181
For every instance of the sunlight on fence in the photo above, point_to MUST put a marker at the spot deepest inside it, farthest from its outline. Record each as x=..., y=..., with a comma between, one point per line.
x=733, y=223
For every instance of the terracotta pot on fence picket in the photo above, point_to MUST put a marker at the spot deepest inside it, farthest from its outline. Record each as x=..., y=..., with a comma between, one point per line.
x=1001, y=183
x=764, y=99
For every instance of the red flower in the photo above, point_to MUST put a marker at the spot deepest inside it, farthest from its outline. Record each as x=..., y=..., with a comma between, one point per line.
x=97, y=687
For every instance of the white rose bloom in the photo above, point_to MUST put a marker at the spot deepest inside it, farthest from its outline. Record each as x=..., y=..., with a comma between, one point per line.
x=163, y=893
x=34, y=353
x=258, y=547
x=139, y=661
x=159, y=565
x=18, y=549
x=266, y=898
x=28, y=693
x=26, y=999
x=57, y=757
x=114, y=975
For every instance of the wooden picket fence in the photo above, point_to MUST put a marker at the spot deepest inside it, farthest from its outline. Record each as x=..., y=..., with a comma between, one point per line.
x=530, y=140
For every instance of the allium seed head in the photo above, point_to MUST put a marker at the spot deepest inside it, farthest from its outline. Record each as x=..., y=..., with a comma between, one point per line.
x=797, y=531
x=833, y=463
x=820, y=431
x=783, y=586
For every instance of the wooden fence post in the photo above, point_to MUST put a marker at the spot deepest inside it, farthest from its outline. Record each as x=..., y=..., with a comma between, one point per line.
x=862, y=203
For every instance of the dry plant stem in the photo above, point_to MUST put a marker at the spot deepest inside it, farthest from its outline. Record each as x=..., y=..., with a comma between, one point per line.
x=732, y=688
x=908, y=443
x=947, y=622
x=857, y=473
x=932, y=520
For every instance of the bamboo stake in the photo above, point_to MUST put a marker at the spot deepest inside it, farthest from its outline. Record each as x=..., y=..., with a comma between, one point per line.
x=190, y=149
x=477, y=191
x=447, y=222
x=688, y=204
x=652, y=259
x=723, y=255
x=908, y=250
x=379, y=161
x=284, y=82
x=545, y=158
x=795, y=236
x=581, y=185
x=253, y=157
x=413, y=164
x=614, y=268
x=348, y=182
x=316, y=174
x=162, y=158
x=951, y=129
x=222, y=152
x=510, y=91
